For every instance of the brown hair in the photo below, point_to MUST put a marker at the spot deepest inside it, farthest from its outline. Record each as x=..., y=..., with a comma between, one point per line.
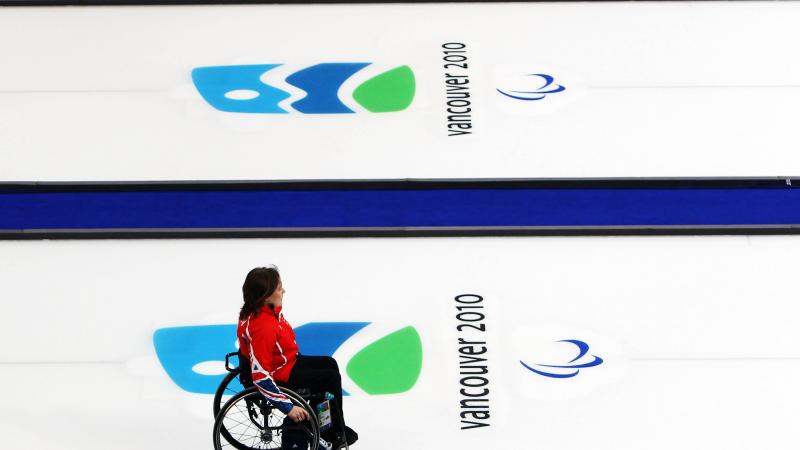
x=259, y=284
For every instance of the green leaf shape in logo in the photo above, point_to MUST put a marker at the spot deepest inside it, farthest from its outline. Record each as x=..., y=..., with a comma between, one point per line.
x=390, y=365
x=390, y=91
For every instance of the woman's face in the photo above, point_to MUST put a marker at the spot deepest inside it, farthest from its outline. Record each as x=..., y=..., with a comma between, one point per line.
x=276, y=299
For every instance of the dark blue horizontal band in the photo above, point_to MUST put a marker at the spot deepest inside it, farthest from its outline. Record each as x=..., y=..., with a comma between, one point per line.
x=398, y=208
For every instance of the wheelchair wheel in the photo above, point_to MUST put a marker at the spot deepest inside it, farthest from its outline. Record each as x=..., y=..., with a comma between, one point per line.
x=247, y=421
x=229, y=387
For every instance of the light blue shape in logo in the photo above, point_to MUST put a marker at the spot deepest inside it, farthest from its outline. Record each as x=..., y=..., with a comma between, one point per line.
x=239, y=88
x=322, y=82
x=583, y=348
x=535, y=94
x=180, y=349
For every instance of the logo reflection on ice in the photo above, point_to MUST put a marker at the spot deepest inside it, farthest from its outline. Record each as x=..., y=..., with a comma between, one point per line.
x=538, y=93
x=193, y=356
x=317, y=89
x=569, y=369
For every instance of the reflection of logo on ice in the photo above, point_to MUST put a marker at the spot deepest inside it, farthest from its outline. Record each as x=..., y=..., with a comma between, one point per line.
x=568, y=370
x=539, y=92
x=314, y=90
x=193, y=356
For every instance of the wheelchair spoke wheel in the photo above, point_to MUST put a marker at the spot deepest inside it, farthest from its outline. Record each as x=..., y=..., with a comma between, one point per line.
x=248, y=422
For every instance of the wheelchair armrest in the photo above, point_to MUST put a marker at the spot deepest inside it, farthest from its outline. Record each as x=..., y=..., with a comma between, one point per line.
x=301, y=391
x=304, y=392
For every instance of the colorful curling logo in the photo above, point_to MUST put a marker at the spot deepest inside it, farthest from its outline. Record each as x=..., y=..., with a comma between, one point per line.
x=193, y=356
x=318, y=89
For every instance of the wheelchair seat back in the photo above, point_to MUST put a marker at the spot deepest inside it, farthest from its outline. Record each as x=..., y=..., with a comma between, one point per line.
x=245, y=374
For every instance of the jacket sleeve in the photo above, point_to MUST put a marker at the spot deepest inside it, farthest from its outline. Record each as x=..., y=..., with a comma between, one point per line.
x=262, y=342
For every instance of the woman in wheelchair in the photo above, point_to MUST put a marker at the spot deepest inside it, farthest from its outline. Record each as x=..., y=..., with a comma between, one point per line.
x=268, y=341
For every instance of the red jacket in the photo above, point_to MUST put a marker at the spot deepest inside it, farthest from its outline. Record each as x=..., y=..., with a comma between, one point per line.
x=269, y=342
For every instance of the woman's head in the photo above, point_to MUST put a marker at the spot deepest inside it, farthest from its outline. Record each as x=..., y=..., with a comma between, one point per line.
x=262, y=287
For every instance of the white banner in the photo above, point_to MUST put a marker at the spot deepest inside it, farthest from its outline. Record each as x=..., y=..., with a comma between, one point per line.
x=399, y=91
x=612, y=343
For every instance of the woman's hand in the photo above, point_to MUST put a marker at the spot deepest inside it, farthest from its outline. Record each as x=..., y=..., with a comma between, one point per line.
x=298, y=414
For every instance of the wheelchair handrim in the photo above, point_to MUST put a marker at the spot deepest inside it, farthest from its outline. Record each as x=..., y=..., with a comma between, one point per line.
x=218, y=422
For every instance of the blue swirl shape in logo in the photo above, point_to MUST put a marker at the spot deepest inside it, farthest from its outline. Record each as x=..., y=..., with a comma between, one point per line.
x=537, y=94
x=179, y=349
x=215, y=82
x=324, y=338
x=322, y=82
x=583, y=349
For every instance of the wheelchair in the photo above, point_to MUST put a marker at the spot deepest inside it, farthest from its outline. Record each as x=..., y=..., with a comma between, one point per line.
x=245, y=420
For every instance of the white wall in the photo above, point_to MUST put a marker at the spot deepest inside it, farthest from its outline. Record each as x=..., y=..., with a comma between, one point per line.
x=698, y=335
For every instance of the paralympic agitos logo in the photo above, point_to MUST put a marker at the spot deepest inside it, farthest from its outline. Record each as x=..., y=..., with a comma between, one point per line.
x=327, y=88
x=193, y=356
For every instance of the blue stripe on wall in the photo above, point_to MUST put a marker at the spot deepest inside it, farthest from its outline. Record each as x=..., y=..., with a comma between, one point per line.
x=227, y=209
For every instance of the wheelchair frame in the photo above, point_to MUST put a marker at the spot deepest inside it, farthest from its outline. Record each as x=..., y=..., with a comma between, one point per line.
x=254, y=399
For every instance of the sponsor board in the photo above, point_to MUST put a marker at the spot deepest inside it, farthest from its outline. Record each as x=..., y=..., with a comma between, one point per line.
x=483, y=342
x=472, y=92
